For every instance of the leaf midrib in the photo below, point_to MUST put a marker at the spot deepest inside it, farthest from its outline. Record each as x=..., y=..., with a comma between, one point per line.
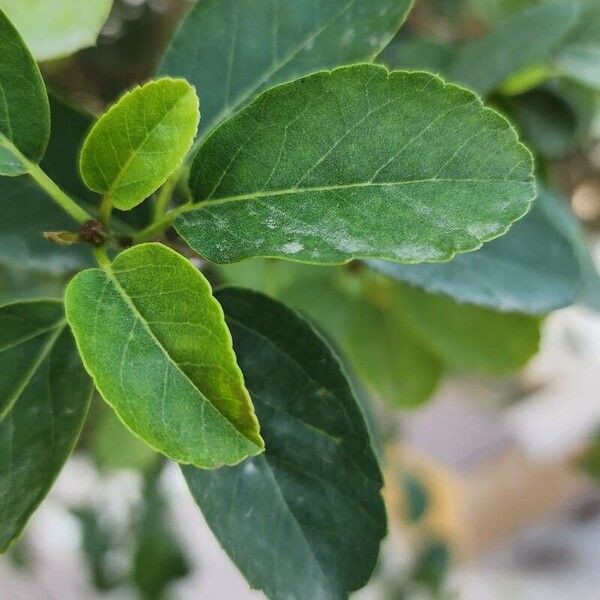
x=136, y=151
x=138, y=315
x=348, y=186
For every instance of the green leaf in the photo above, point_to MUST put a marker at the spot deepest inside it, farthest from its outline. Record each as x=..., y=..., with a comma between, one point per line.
x=114, y=447
x=57, y=28
x=419, y=54
x=468, y=337
x=155, y=342
x=16, y=284
x=523, y=39
x=360, y=315
x=358, y=162
x=24, y=110
x=231, y=51
x=579, y=57
x=44, y=397
x=133, y=148
x=550, y=122
x=564, y=220
x=304, y=520
x=532, y=269
x=387, y=354
x=27, y=211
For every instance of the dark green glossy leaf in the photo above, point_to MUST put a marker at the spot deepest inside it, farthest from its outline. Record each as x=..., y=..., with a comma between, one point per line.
x=24, y=111
x=532, y=269
x=155, y=342
x=357, y=162
x=134, y=147
x=44, y=396
x=523, y=39
x=231, y=51
x=304, y=520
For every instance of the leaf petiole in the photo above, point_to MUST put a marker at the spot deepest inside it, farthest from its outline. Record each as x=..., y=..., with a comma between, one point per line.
x=161, y=224
x=61, y=198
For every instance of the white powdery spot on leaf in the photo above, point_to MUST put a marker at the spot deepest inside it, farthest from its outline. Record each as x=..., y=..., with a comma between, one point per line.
x=482, y=230
x=292, y=248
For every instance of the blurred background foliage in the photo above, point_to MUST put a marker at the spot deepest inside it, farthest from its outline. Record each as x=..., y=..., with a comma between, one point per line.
x=538, y=63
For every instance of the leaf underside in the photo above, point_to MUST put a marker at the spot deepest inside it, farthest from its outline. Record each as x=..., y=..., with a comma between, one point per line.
x=304, y=520
x=155, y=342
x=44, y=397
x=358, y=162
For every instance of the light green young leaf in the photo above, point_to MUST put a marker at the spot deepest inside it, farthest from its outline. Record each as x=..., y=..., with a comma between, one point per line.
x=358, y=162
x=468, y=337
x=304, y=520
x=532, y=269
x=24, y=110
x=134, y=147
x=44, y=397
x=155, y=342
x=523, y=39
x=58, y=27
x=231, y=51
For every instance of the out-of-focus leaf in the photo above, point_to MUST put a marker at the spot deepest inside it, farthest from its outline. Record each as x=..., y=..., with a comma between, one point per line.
x=532, y=269
x=134, y=147
x=154, y=339
x=563, y=219
x=231, y=51
x=358, y=162
x=24, y=111
x=418, y=54
x=56, y=28
x=114, y=447
x=431, y=566
x=16, y=284
x=469, y=337
x=589, y=461
x=304, y=520
x=523, y=39
x=360, y=316
x=416, y=498
x=158, y=558
x=579, y=57
x=44, y=397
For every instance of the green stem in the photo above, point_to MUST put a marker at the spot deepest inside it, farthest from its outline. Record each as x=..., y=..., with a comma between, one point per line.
x=61, y=198
x=102, y=257
x=161, y=224
x=166, y=193
x=105, y=210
